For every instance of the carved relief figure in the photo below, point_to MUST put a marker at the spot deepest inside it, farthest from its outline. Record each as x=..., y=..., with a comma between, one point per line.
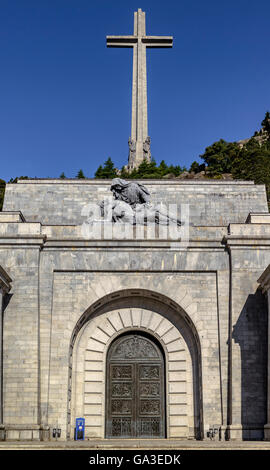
x=134, y=347
x=132, y=150
x=146, y=148
x=131, y=204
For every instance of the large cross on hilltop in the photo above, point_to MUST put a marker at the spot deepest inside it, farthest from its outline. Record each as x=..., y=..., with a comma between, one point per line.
x=139, y=142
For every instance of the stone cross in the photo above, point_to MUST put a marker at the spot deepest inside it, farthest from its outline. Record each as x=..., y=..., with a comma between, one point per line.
x=139, y=142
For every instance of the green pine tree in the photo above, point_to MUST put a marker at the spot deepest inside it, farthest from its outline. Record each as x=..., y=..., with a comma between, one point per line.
x=253, y=163
x=266, y=123
x=196, y=167
x=2, y=192
x=99, y=172
x=163, y=168
x=80, y=175
x=108, y=171
x=219, y=157
x=124, y=173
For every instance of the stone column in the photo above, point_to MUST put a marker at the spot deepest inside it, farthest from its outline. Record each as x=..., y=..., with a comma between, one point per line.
x=267, y=426
x=4, y=288
x=2, y=428
x=264, y=281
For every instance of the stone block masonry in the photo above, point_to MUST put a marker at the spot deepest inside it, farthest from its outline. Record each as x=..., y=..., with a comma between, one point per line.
x=211, y=203
x=68, y=294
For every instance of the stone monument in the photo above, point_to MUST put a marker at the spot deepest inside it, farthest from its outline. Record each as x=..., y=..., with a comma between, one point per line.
x=131, y=204
x=138, y=336
x=139, y=142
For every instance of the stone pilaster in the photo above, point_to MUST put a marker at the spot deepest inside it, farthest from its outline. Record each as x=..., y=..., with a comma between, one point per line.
x=247, y=330
x=267, y=426
x=4, y=288
x=2, y=428
x=264, y=281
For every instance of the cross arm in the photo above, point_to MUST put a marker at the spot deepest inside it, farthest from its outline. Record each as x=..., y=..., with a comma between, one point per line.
x=121, y=41
x=158, y=41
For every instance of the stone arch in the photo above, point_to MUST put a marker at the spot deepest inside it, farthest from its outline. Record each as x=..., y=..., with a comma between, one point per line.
x=137, y=310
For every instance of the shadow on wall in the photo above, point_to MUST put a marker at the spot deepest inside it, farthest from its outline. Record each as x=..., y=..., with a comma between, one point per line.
x=7, y=299
x=250, y=332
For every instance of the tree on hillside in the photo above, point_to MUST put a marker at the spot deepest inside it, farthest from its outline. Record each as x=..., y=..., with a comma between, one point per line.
x=163, y=168
x=175, y=170
x=2, y=192
x=266, y=123
x=196, y=167
x=14, y=180
x=99, y=172
x=108, y=171
x=253, y=163
x=219, y=157
x=150, y=170
x=80, y=175
x=146, y=170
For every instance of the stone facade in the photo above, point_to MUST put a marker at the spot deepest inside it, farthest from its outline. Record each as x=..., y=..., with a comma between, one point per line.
x=72, y=296
x=264, y=282
x=5, y=286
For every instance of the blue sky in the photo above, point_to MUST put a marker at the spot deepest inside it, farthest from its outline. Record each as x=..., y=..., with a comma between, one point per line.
x=65, y=99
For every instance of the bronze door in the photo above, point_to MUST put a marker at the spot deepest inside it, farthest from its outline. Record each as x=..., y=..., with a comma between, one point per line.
x=135, y=389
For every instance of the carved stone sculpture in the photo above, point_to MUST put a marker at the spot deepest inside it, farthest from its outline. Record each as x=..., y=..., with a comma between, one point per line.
x=130, y=192
x=132, y=150
x=146, y=149
x=131, y=204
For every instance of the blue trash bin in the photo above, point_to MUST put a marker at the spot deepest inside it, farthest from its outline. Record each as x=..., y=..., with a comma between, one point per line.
x=80, y=428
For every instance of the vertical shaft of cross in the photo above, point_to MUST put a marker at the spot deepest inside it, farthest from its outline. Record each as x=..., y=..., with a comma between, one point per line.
x=139, y=120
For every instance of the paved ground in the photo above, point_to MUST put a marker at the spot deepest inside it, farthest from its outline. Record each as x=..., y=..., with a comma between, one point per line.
x=113, y=444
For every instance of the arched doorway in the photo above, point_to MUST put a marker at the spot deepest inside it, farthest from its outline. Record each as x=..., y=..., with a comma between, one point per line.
x=135, y=389
x=172, y=332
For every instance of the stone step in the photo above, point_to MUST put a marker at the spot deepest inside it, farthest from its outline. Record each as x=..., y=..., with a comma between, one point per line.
x=147, y=444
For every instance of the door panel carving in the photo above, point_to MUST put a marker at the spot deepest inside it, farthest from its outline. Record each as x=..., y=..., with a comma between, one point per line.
x=135, y=388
